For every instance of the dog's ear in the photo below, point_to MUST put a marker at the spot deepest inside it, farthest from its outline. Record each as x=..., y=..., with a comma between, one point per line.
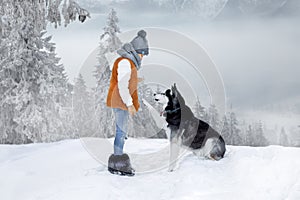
x=174, y=90
x=175, y=86
x=168, y=93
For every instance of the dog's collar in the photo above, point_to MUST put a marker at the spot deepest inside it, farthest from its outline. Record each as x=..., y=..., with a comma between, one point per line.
x=172, y=111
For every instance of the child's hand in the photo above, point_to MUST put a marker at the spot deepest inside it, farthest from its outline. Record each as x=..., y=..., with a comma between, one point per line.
x=131, y=110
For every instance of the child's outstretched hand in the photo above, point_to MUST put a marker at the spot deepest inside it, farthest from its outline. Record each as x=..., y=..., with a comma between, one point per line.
x=131, y=110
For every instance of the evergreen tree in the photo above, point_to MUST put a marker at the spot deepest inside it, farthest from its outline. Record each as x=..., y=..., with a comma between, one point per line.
x=32, y=83
x=199, y=110
x=6, y=109
x=255, y=135
x=226, y=131
x=112, y=41
x=234, y=130
x=109, y=43
x=283, y=138
x=260, y=139
x=230, y=130
x=83, y=108
x=213, y=114
x=67, y=113
x=249, y=140
x=295, y=136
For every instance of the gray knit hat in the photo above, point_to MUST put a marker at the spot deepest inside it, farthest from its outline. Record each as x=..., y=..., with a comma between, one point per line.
x=140, y=43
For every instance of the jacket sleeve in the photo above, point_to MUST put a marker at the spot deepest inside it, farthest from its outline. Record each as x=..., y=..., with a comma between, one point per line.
x=124, y=73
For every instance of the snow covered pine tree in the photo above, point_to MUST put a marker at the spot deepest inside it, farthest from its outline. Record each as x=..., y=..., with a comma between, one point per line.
x=32, y=83
x=83, y=109
x=109, y=43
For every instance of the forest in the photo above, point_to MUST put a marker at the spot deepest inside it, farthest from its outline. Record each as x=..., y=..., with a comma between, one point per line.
x=39, y=104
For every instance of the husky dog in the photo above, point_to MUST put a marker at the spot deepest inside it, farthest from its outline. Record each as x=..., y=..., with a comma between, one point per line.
x=188, y=131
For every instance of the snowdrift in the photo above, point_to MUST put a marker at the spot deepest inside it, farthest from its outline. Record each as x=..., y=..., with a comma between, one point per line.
x=65, y=170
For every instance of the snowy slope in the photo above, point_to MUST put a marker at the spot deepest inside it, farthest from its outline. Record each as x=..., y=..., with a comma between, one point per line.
x=65, y=170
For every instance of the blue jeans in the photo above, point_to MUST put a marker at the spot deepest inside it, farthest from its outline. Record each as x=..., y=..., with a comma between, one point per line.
x=121, y=117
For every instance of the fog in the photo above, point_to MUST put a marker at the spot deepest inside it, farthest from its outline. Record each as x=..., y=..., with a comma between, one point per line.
x=257, y=57
x=259, y=60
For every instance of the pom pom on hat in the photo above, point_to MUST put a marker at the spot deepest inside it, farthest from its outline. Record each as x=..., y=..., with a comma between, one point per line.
x=142, y=33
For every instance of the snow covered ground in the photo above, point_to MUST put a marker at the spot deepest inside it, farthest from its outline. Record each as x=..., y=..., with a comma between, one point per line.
x=65, y=170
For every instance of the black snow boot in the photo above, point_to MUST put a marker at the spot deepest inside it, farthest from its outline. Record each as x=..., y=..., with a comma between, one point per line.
x=120, y=164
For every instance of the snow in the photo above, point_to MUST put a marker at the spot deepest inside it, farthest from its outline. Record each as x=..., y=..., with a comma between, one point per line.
x=65, y=170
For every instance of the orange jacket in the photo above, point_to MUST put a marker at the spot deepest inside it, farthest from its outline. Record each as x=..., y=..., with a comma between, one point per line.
x=114, y=99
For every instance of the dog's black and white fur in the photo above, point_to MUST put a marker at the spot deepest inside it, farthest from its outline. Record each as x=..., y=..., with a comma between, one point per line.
x=187, y=130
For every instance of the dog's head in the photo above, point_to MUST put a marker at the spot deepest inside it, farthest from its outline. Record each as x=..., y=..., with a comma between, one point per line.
x=162, y=98
x=171, y=100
